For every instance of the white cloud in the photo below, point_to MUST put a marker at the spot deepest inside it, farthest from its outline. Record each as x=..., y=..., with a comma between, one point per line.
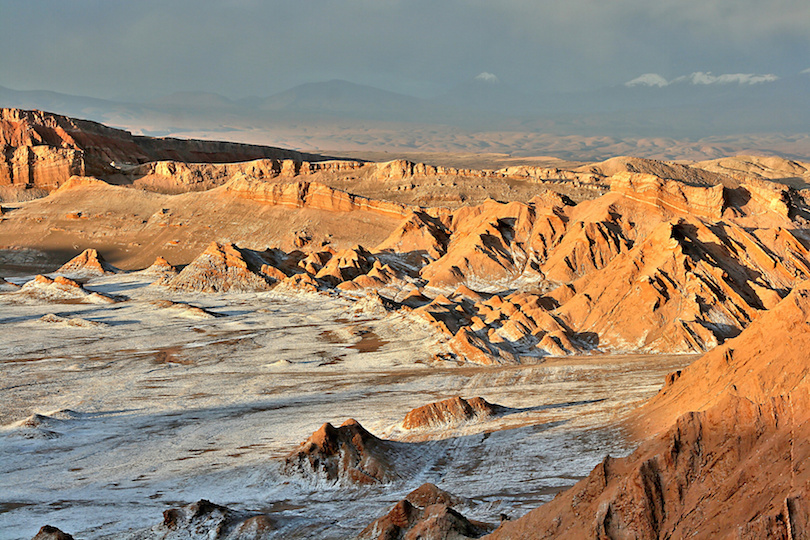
x=805, y=71
x=700, y=77
x=705, y=78
x=648, y=79
x=487, y=77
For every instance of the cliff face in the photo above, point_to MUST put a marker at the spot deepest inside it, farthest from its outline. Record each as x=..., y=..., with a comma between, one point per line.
x=43, y=150
x=311, y=195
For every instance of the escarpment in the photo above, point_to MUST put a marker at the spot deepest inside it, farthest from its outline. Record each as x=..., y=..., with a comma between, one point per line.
x=41, y=149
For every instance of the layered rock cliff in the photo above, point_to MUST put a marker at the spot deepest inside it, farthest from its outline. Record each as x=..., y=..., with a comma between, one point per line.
x=43, y=149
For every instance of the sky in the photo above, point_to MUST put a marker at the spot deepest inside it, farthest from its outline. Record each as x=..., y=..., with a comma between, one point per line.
x=238, y=48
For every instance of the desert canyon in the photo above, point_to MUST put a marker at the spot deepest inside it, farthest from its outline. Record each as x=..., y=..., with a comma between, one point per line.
x=216, y=340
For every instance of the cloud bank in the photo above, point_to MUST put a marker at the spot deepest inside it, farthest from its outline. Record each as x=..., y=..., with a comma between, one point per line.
x=703, y=78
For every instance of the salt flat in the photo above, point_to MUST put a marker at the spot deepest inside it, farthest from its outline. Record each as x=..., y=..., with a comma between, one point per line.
x=154, y=407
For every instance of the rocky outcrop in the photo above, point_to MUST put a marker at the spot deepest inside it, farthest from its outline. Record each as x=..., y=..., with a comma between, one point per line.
x=689, y=174
x=39, y=166
x=178, y=176
x=62, y=289
x=161, y=268
x=770, y=195
x=88, y=263
x=450, y=412
x=43, y=149
x=426, y=512
x=347, y=455
x=730, y=456
x=222, y=268
x=700, y=201
x=204, y=519
x=420, y=234
x=75, y=322
x=311, y=195
x=49, y=532
x=745, y=168
x=346, y=265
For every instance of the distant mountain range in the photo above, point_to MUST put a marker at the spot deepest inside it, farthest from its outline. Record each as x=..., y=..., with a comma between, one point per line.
x=677, y=109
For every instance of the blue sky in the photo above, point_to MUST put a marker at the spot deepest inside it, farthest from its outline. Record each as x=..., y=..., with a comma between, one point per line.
x=239, y=48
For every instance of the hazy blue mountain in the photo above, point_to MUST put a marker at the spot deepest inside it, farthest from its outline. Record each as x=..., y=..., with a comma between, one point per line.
x=344, y=99
x=680, y=109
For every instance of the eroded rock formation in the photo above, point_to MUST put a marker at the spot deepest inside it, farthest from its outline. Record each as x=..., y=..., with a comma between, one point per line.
x=88, y=263
x=428, y=513
x=223, y=267
x=346, y=454
x=449, y=412
x=204, y=519
x=728, y=456
x=49, y=532
x=62, y=289
x=43, y=149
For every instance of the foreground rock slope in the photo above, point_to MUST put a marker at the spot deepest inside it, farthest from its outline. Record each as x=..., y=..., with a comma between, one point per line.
x=728, y=452
x=428, y=513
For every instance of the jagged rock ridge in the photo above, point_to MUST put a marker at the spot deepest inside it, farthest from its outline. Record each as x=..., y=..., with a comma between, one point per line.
x=735, y=467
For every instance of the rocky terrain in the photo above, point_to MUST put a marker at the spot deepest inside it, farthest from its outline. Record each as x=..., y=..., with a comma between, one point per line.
x=520, y=268
x=43, y=150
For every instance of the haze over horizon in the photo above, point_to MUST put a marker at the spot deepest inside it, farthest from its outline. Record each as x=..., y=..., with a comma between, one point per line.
x=678, y=79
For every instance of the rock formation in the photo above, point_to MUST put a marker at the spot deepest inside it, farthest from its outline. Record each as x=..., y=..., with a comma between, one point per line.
x=449, y=412
x=76, y=322
x=88, y=263
x=636, y=270
x=728, y=454
x=312, y=195
x=161, y=268
x=43, y=149
x=62, y=289
x=426, y=512
x=49, y=532
x=745, y=168
x=221, y=268
x=699, y=201
x=673, y=259
x=346, y=454
x=204, y=519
